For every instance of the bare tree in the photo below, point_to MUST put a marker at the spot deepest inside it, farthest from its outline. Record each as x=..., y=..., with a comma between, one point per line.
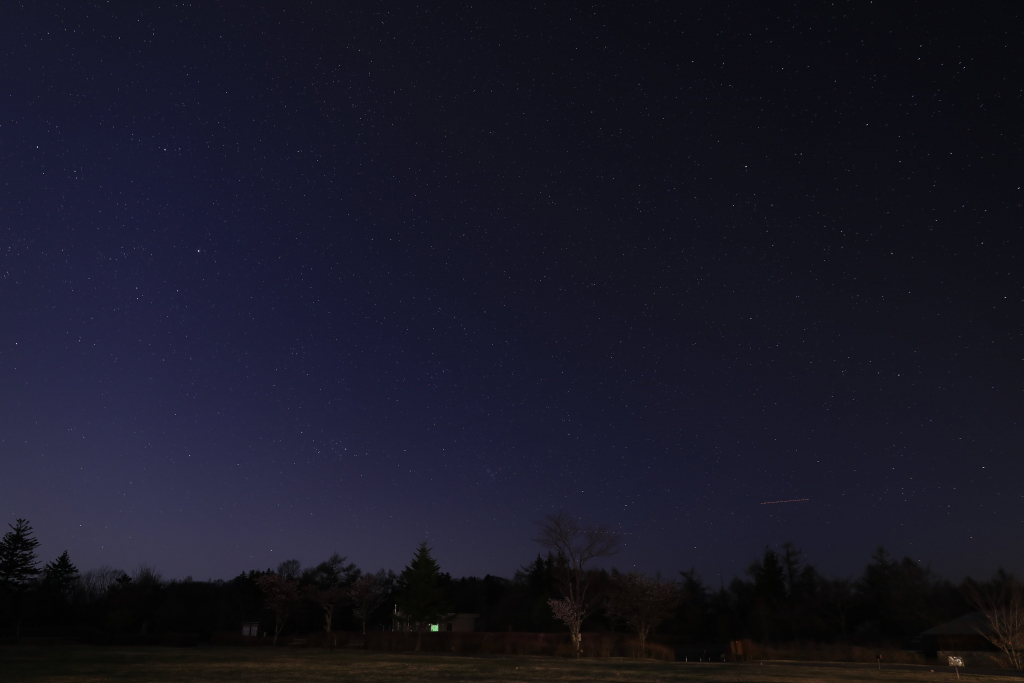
x=146, y=574
x=642, y=602
x=366, y=594
x=96, y=582
x=1002, y=608
x=290, y=569
x=574, y=545
x=282, y=595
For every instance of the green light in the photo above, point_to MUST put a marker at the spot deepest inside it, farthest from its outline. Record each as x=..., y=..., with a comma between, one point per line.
x=434, y=627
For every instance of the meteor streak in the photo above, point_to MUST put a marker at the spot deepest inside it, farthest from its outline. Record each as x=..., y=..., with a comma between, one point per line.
x=794, y=500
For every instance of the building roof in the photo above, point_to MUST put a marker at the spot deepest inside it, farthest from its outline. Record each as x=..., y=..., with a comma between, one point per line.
x=968, y=624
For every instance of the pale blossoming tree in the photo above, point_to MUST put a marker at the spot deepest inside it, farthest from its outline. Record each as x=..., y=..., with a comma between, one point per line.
x=574, y=545
x=570, y=614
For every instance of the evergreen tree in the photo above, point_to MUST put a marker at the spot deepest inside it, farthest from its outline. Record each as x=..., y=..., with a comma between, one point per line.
x=769, y=589
x=18, y=563
x=693, y=607
x=420, y=596
x=769, y=577
x=60, y=575
x=18, y=566
x=542, y=584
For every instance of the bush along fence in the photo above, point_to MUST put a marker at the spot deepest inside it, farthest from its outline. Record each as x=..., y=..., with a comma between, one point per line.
x=810, y=651
x=511, y=643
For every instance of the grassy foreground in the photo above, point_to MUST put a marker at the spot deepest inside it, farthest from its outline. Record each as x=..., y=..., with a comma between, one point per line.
x=223, y=665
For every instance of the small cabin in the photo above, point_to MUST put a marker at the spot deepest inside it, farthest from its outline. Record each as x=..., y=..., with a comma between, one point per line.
x=960, y=635
x=960, y=640
x=459, y=623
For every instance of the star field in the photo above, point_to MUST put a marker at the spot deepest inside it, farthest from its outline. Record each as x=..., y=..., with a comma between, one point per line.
x=290, y=279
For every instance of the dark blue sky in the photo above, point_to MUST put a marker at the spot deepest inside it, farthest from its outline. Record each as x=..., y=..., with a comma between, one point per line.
x=284, y=280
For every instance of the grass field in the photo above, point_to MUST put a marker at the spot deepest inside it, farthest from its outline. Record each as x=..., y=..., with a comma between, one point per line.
x=223, y=665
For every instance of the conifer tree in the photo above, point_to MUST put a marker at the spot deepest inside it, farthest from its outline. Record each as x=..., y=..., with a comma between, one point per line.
x=60, y=574
x=18, y=565
x=420, y=596
x=59, y=578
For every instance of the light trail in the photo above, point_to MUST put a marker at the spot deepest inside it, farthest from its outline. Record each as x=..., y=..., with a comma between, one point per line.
x=794, y=500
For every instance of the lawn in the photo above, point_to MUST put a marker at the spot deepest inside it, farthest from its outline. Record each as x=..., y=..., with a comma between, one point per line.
x=223, y=665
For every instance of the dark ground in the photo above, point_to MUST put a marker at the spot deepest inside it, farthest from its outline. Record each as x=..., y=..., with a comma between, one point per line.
x=86, y=664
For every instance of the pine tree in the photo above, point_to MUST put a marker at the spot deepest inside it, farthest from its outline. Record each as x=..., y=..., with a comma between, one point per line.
x=420, y=597
x=60, y=574
x=59, y=578
x=18, y=565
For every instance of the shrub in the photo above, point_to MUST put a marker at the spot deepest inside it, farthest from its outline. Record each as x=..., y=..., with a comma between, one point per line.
x=830, y=652
x=513, y=643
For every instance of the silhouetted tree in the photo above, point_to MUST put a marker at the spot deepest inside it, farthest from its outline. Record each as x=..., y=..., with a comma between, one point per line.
x=18, y=566
x=898, y=598
x=534, y=585
x=769, y=588
x=692, y=611
x=366, y=594
x=574, y=545
x=800, y=605
x=330, y=573
x=95, y=582
x=60, y=575
x=282, y=596
x=791, y=563
x=325, y=585
x=146, y=574
x=18, y=560
x=290, y=569
x=839, y=593
x=642, y=602
x=138, y=598
x=420, y=596
x=59, y=580
x=1002, y=607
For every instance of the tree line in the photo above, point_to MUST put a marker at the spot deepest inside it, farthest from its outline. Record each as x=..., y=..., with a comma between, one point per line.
x=780, y=598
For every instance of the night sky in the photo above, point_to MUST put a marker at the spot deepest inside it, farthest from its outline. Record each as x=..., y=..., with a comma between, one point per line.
x=284, y=279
